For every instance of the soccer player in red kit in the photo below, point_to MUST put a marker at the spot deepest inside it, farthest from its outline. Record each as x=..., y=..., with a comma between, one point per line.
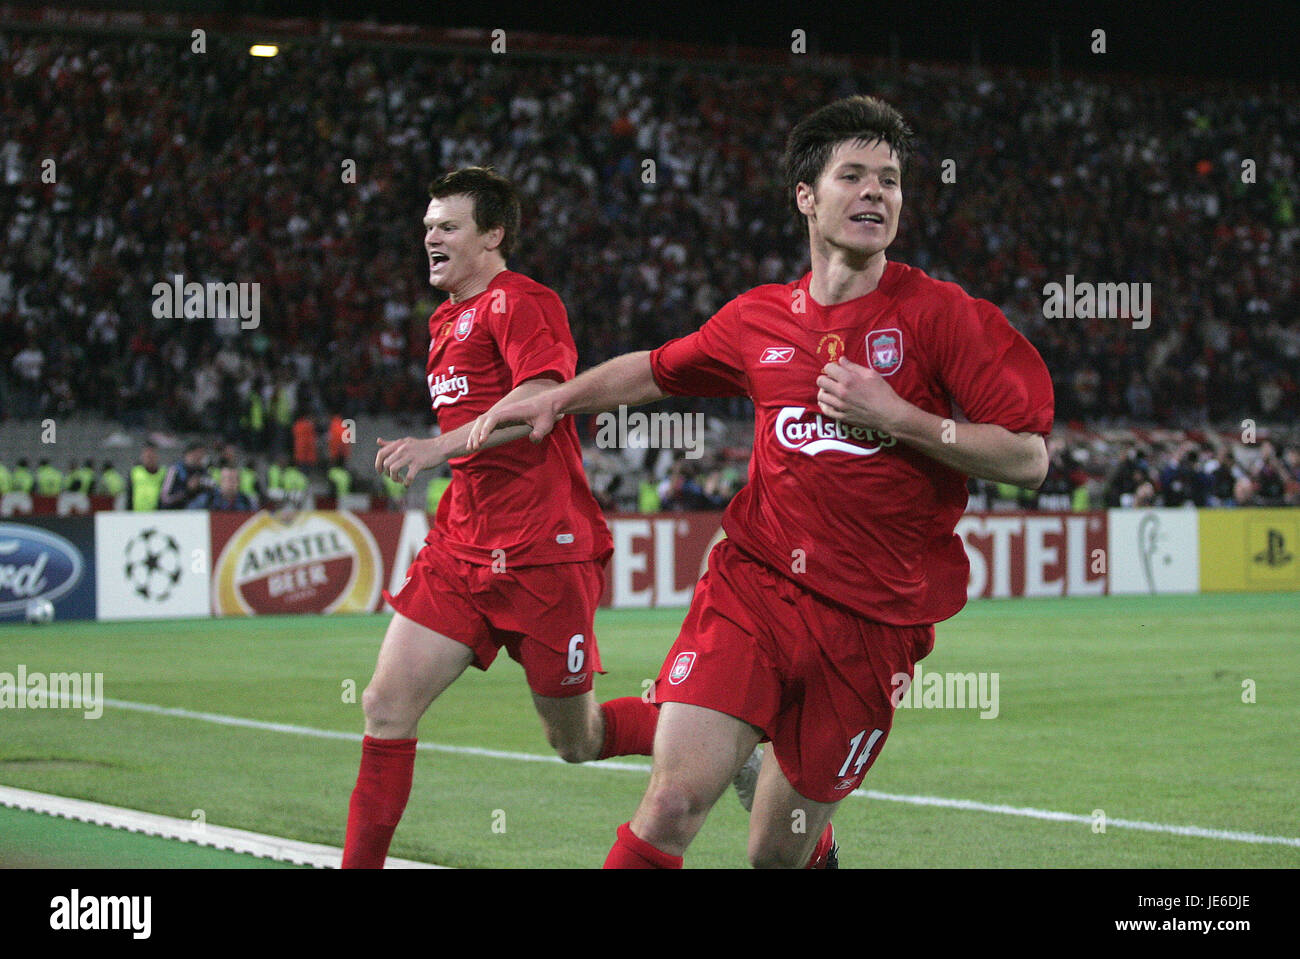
x=517, y=552
x=840, y=553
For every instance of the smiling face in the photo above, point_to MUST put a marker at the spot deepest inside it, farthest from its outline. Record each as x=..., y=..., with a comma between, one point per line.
x=854, y=206
x=458, y=252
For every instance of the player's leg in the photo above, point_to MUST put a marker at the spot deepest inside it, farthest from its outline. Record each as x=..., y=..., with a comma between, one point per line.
x=719, y=689
x=574, y=725
x=697, y=752
x=415, y=666
x=546, y=617
x=786, y=830
x=825, y=741
x=579, y=729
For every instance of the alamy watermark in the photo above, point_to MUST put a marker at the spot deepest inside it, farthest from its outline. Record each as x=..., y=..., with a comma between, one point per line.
x=655, y=431
x=76, y=912
x=37, y=690
x=946, y=691
x=1107, y=301
x=179, y=300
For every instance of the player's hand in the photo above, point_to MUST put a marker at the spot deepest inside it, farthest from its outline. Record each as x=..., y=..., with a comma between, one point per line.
x=859, y=396
x=537, y=412
x=410, y=454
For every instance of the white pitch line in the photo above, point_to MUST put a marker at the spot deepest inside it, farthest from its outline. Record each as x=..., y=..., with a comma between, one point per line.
x=221, y=720
x=200, y=834
x=1199, y=832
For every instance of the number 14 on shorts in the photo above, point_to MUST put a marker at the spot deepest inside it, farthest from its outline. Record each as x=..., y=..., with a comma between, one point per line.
x=862, y=753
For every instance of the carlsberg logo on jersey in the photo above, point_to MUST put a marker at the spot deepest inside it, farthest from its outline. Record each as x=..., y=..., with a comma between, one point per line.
x=447, y=388
x=795, y=432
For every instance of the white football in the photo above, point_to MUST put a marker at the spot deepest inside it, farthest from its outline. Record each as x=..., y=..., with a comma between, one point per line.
x=40, y=611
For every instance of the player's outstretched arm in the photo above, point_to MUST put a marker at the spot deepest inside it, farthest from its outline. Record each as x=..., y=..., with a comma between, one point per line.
x=860, y=396
x=415, y=454
x=624, y=380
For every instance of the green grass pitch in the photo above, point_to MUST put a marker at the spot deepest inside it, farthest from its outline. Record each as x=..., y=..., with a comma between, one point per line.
x=1132, y=706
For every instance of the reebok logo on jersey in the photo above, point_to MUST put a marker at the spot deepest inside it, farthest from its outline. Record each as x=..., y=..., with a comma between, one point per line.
x=795, y=432
x=777, y=354
x=447, y=388
x=885, y=351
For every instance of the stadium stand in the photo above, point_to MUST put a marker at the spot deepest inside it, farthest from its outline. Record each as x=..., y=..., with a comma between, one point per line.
x=649, y=191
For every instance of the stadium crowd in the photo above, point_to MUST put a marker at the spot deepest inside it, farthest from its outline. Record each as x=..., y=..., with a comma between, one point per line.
x=1183, y=473
x=220, y=478
x=648, y=191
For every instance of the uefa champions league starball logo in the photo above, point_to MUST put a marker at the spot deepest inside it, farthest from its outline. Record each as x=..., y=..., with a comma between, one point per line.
x=153, y=564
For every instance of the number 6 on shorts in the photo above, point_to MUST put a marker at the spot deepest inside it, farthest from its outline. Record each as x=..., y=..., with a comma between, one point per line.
x=577, y=656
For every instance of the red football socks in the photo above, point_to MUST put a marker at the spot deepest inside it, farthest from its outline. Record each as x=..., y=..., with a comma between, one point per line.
x=378, y=801
x=818, y=860
x=632, y=852
x=629, y=727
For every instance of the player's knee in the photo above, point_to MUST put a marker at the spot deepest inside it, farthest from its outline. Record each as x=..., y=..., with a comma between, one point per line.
x=766, y=854
x=383, y=714
x=573, y=748
x=575, y=739
x=575, y=752
x=674, y=807
x=373, y=703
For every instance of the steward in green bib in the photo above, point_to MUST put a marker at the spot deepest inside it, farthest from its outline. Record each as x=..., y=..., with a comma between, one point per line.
x=147, y=480
x=80, y=480
x=110, y=482
x=22, y=480
x=49, y=481
x=340, y=479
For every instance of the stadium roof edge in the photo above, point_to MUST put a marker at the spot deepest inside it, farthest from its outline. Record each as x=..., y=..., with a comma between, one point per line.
x=477, y=41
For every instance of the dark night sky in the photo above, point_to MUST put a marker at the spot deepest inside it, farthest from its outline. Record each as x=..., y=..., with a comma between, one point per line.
x=1229, y=38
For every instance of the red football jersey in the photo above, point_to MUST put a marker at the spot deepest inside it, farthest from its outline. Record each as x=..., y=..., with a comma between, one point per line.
x=849, y=512
x=531, y=501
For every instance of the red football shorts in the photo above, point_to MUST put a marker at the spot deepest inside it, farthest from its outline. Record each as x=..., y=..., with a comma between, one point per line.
x=817, y=678
x=541, y=615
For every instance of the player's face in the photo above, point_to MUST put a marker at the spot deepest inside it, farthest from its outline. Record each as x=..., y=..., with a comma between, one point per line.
x=856, y=201
x=453, y=242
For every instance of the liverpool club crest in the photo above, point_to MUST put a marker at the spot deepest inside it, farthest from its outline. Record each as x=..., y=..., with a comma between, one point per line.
x=465, y=324
x=885, y=351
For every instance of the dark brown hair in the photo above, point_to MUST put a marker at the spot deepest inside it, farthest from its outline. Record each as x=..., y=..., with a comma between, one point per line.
x=496, y=202
x=856, y=118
